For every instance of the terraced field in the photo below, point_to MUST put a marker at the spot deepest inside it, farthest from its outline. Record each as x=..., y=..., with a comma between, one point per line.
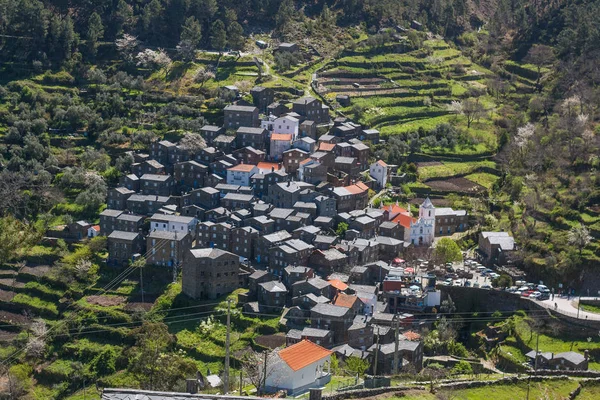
x=404, y=92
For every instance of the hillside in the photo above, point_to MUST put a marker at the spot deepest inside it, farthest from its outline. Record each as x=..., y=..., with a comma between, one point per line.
x=490, y=106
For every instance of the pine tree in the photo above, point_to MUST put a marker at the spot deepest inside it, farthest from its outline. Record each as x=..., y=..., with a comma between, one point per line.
x=95, y=31
x=235, y=36
x=218, y=37
x=191, y=35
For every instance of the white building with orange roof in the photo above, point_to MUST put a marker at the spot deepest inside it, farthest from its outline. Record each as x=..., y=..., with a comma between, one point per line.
x=240, y=174
x=298, y=368
x=379, y=172
x=417, y=231
x=266, y=167
x=280, y=142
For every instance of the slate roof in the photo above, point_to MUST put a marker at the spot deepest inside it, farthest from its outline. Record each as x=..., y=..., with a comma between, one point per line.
x=330, y=309
x=122, y=235
x=209, y=253
x=274, y=287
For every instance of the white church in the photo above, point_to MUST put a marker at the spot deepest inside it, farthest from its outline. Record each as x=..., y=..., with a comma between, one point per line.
x=418, y=231
x=422, y=231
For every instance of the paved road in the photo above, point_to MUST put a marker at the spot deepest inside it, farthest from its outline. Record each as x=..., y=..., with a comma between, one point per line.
x=563, y=305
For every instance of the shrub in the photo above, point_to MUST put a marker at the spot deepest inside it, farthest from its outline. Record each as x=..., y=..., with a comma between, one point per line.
x=463, y=367
x=61, y=78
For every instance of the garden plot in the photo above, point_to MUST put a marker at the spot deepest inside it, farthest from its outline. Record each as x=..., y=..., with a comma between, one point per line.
x=458, y=185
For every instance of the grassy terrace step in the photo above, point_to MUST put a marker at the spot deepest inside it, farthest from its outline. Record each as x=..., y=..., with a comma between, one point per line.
x=448, y=169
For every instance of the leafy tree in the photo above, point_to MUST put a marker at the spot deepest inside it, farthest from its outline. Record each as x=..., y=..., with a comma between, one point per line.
x=357, y=365
x=446, y=250
x=503, y=281
x=218, y=36
x=341, y=229
x=151, y=20
x=579, y=236
x=191, y=35
x=203, y=75
x=121, y=17
x=94, y=33
x=153, y=59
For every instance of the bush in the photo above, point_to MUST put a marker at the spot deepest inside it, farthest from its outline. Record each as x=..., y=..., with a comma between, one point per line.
x=60, y=78
x=463, y=367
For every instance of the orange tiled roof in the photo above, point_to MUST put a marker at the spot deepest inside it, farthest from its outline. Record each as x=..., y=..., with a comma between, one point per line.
x=302, y=354
x=357, y=188
x=339, y=285
x=345, y=300
x=404, y=220
x=242, y=168
x=326, y=146
x=410, y=335
x=394, y=209
x=382, y=163
x=268, y=165
x=96, y=228
x=281, y=136
x=306, y=160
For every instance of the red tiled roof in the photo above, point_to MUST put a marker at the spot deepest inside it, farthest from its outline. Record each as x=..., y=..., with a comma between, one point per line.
x=326, y=146
x=96, y=228
x=306, y=160
x=394, y=209
x=242, y=168
x=339, y=285
x=382, y=163
x=345, y=300
x=302, y=354
x=281, y=136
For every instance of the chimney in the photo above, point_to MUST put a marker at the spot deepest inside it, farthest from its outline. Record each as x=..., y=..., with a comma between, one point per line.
x=272, y=169
x=586, y=354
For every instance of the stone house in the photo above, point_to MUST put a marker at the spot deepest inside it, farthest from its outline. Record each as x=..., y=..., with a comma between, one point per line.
x=243, y=241
x=158, y=185
x=236, y=116
x=117, y=198
x=311, y=109
x=209, y=273
x=122, y=246
x=214, y=235
x=189, y=175
x=334, y=318
x=272, y=295
x=167, y=248
x=251, y=137
x=262, y=97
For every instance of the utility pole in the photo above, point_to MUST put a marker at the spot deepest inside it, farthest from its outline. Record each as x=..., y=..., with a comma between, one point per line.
x=376, y=354
x=537, y=351
x=142, y=281
x=226, y=373
x=396, y=345
x=265, y=372
x=241, y=382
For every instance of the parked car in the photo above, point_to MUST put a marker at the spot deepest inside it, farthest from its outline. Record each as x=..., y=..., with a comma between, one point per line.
x=448, y=282
x=468, y=284
x=486, y=286
x=535, y=295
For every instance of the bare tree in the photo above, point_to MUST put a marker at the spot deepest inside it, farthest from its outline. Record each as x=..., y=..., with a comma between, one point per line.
x=36, y=344
x=540, y=55
x=193, y=143
x=473, y=110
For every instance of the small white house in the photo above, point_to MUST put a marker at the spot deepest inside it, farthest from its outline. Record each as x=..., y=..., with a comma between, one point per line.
x=240, y=174
x=298, y=368
x=285, y=124
x=379, y=172
x=93, y=231
x=173, y=223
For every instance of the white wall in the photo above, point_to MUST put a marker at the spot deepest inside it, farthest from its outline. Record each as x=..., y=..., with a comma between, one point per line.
x=280, y=375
